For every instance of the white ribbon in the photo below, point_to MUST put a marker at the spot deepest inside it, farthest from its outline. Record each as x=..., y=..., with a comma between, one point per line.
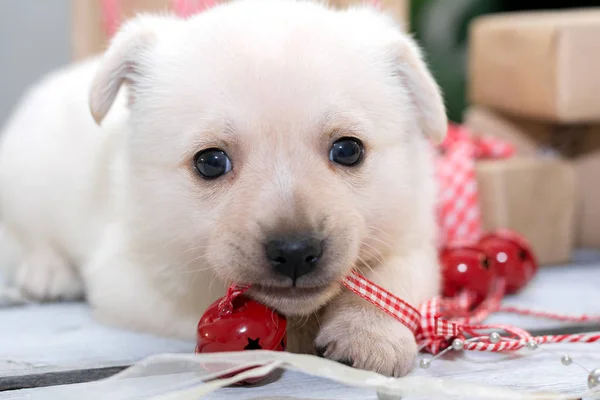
x=207, y=367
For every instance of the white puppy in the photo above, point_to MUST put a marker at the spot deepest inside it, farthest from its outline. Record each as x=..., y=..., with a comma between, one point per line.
x=273, y=143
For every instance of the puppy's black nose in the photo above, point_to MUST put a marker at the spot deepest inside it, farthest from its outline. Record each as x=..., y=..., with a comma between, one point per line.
x=294, y=256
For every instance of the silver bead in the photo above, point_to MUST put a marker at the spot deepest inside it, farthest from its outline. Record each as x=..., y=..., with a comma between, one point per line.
x=594, y=378
x=425, y=363
x=531, y=345
x=495, y=337
x=566, y=359
x=458, y=344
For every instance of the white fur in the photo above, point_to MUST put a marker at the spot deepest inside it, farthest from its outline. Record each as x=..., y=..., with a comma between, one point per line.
x=104, y=202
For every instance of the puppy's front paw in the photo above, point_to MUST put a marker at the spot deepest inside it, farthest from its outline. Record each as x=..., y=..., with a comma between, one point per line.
x=46, y=276
x=367, y=339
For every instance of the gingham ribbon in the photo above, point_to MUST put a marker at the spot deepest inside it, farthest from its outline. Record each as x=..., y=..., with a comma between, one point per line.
x=384, y=300
x=458, y=210
x=441, y=320
x=431, y=324
x=490, y=305
x=233, y=291
x=431, y=330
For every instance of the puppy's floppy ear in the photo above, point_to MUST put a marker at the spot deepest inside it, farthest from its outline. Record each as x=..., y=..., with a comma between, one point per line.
x=424, y=92
x=125, y=61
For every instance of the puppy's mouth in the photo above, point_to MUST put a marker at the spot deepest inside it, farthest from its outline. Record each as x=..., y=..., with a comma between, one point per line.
x=295, y=300
x=292, y=301
x=290, y=291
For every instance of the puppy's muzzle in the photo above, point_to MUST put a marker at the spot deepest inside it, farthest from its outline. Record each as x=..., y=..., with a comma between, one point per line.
x=294, y=256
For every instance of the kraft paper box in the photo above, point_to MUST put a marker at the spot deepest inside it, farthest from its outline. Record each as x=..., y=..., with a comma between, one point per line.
x=588, y=202
x=528, y=137
x=580, y=144
x=534, y=196
x=587, y=167
x=89, y=36
x=541, y=65
x=533, y=137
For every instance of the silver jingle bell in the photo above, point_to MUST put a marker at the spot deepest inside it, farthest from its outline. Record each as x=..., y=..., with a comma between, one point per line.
x=594, y=378
x=425, y=363
x=495, y=337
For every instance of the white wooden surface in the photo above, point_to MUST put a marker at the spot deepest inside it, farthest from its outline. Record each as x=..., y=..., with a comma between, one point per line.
x=54, y=337
x=64, y=336
x=534, y=372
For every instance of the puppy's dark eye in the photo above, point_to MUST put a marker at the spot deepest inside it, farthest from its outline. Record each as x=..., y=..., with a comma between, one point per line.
x=212, y=163
x=346, y=151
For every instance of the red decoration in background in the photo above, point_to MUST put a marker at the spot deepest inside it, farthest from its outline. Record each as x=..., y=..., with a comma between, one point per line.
x=499, y=254
x=185, y=8
x=458, y=203
x=513, y=257
x=467, y=267
x=111, y=16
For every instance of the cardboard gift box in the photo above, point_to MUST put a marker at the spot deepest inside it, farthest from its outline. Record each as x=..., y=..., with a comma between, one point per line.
x=587, y=168
x=533, y=137
x=89, y=22
x=534, y=196
x=541, y=65
x=526, y=136
x=579, y=144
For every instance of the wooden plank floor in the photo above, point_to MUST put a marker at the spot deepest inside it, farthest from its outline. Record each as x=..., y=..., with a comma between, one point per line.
x=57, y=337
x=538, y=371
x=61, y=342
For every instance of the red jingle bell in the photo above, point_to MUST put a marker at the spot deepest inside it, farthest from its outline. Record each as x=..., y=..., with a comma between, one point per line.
x=466, y=267
x=240, y=323
x=513, y=258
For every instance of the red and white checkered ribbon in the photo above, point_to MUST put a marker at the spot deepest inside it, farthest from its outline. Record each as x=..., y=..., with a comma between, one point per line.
x=233, y=291
x=434, y=330
x=384, y=300
x=458, y=210
x=441, y=320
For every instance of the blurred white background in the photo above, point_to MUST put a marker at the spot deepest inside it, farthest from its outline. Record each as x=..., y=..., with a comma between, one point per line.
x=34, y=39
